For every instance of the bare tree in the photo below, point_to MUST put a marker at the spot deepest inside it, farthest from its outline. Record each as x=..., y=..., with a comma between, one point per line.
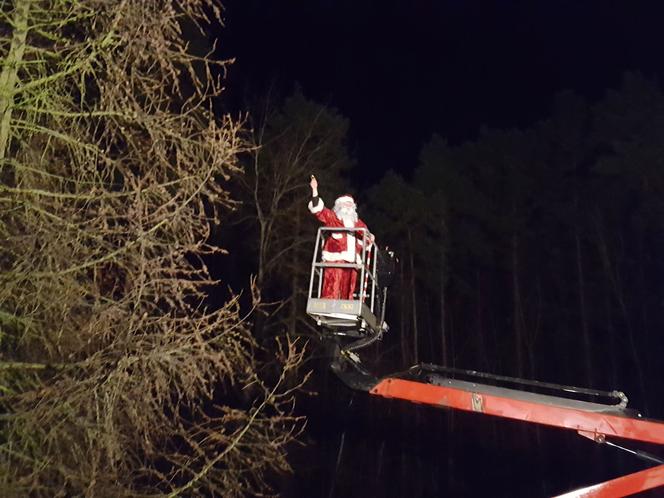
x=290, y=142
x=117, y=380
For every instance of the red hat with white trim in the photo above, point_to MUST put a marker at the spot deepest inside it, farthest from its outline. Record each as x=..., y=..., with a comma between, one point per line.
x=344, y=199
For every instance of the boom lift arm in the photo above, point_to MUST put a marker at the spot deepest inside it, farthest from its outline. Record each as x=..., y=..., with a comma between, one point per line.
x=440, y=387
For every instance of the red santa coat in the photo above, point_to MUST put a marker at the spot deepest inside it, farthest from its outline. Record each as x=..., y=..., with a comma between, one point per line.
x=340, y=247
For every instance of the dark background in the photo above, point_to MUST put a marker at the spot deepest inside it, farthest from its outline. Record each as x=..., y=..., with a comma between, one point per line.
x=402, y=71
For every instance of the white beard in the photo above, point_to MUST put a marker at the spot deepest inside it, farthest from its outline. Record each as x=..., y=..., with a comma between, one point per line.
x=347, y=215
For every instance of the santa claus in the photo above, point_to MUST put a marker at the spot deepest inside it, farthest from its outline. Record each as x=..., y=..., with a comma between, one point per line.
x=340, y=247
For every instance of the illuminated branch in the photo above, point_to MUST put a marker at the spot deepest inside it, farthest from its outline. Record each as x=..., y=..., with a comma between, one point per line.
x=113, y=366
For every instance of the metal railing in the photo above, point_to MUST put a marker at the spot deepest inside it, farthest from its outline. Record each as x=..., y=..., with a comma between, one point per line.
x=366, y=267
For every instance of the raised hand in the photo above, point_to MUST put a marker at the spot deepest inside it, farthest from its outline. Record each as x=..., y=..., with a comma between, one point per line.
x=314, y=185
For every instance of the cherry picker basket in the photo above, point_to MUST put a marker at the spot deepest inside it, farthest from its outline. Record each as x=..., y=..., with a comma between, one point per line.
x=361, y=315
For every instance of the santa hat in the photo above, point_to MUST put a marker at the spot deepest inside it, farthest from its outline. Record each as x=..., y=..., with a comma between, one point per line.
x=344, y=198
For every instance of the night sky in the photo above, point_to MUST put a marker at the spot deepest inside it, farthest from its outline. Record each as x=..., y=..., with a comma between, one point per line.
x=402, y=70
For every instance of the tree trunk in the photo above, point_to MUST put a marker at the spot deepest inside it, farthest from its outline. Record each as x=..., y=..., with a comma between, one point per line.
x=295, y=290
x=427, y=316
x=413, y=295
x=587, y=346
x=613, y=275
x=480, y=327
x=611, y=333
x=9, y=75
x=516, y=307
x=643, y=293
x=443, y=309
x=402, y=321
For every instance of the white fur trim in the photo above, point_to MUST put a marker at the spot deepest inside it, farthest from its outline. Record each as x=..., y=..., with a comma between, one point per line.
x=345, y=198
x=348, y=255
x=319, y=207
